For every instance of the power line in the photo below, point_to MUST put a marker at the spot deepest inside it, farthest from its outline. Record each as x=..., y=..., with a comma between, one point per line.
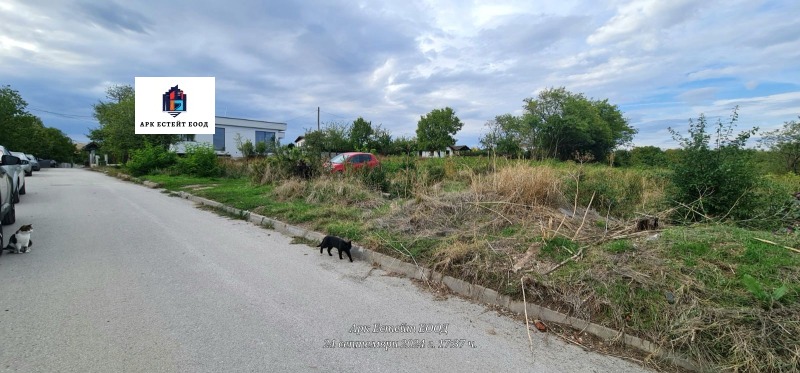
x=300, y=116
x=336, y=115
x=68, y=116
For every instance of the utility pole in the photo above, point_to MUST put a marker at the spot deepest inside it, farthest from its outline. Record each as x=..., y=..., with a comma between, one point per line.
x=317, y=118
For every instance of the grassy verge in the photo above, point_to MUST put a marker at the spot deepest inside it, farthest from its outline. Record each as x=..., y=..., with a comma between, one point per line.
x=713, y=292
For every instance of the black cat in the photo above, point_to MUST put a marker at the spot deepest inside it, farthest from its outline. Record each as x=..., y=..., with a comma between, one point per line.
x=330, y=242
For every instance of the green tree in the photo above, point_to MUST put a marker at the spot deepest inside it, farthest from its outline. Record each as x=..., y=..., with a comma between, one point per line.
x=14, y=120
x=507, y=135
x=334, y=138
x=55, y=145
x=117, y=131
x=435, y=130
x=361, y=134
x=11, y=104
x=381, y=141
x=786, y=143
x=24, y=132
x=648, y=156
x=561, y=123
x=403, y=145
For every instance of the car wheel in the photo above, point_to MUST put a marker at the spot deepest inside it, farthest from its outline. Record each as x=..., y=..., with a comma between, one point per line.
x=29, y=173
x=11, y=217
x=15, y=197
x=22, y=191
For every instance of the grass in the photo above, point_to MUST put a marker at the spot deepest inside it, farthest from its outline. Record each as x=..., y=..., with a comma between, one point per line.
x=711, y=292
x=619, y=247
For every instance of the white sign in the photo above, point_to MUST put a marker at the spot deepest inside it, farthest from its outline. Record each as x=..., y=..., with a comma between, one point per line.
x=175, y=105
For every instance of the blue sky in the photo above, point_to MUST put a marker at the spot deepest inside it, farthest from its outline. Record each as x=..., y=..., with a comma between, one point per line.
x=663, y=62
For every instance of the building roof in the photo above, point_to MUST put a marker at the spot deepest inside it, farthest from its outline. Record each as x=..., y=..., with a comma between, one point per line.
x=250, y=123
x=90, y=146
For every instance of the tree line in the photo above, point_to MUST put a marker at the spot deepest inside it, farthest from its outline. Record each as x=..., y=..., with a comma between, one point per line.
x=556, y=124
x=24, y=132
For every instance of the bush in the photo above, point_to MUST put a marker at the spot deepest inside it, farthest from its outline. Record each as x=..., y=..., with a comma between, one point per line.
x=713, y=182
x=150, y=158
x=200, y=160
x=775, y=206
x=286, y=163
x=619, y=192
x=374, y=178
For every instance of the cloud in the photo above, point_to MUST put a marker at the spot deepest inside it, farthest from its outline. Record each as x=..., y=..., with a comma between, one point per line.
x=643, y=22
x=662, y=62
x=115, y=17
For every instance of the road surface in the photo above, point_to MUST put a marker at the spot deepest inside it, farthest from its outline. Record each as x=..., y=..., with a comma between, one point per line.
x=122, y=278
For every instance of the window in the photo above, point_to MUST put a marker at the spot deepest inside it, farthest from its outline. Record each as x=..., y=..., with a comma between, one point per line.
x=186, y=137
x=219, y=138
x=264, y=136
x=338, y=159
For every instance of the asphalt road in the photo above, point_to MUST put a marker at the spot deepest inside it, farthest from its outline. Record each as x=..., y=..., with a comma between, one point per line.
x=122, y=278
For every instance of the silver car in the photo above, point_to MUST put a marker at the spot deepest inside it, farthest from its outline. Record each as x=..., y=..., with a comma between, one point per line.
x=24, y=162
x=15, y=171
x=8, y=213
x=34, y=162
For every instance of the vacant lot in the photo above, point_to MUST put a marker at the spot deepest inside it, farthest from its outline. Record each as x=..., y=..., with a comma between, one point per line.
x=725, y=296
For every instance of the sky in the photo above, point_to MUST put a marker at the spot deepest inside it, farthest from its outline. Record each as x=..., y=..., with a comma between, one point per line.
x=663, y=62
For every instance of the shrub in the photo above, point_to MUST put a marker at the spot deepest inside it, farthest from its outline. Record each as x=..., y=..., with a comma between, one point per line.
x=149, y=159
x=286, y=163
x=713, y=181
x=619, y=192
x=374, y=178
x=200, y=160
x=775, y=206
x=247, y=149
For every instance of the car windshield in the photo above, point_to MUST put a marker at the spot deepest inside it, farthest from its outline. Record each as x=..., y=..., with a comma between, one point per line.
x=19, y=155
x=338, y=159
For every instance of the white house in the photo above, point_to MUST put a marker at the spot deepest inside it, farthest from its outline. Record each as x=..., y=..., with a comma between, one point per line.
x=447, y=152
x=226, y=131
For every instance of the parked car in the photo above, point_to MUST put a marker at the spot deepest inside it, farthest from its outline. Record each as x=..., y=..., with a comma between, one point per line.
x=34, y=162
x=352, y=160
x=14, y=170
x=8, y=213
x=24, y=162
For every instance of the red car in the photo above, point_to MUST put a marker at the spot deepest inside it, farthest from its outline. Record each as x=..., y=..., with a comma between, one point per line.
x=351, y=160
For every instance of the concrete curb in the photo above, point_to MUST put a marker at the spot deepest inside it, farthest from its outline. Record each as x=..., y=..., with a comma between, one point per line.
x=460, y=287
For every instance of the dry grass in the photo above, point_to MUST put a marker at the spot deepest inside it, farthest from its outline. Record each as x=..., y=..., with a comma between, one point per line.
x=524, y=185
x=290, y=189
x=344, y=191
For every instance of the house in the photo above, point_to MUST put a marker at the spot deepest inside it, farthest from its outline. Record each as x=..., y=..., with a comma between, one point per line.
x=459, y=149
x=229, y=130
x=436, y=154
x=300, y=141
x=447, y=152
